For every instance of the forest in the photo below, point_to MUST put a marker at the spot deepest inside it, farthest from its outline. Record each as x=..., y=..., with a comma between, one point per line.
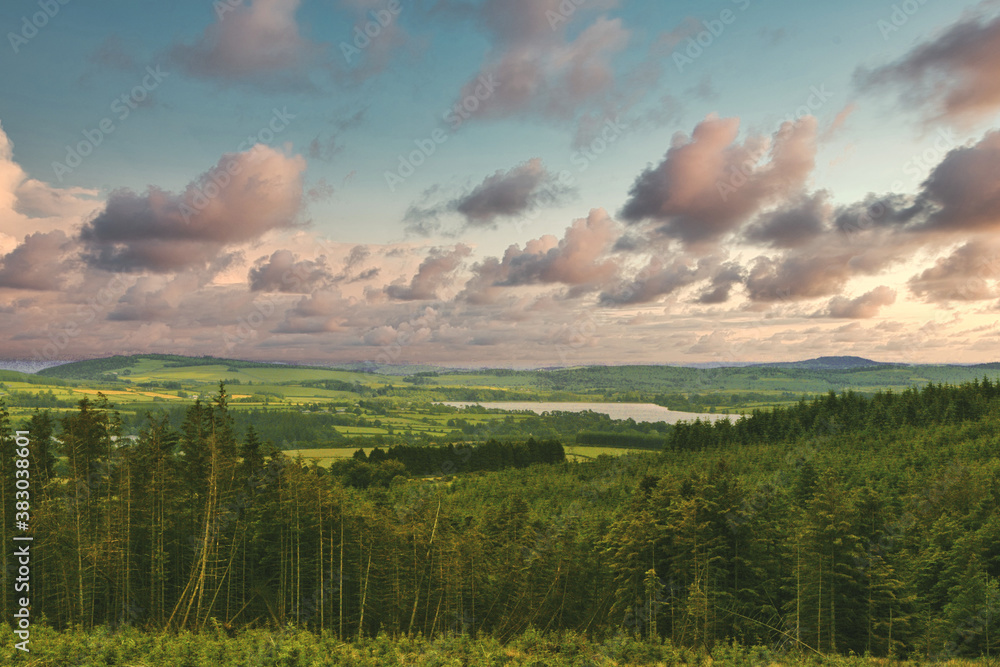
x=840, y=525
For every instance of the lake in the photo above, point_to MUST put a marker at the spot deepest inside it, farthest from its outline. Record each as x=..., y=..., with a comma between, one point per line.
x=641, y=412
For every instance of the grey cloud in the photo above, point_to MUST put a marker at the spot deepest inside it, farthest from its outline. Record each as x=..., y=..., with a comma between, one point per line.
x=954, y=77
x=283, y=272
x=708, y=185
x=436, y=271
x=161, y=232
x=38, y=263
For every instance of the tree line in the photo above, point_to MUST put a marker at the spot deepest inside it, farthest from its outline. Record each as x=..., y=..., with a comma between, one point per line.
x=843, y=524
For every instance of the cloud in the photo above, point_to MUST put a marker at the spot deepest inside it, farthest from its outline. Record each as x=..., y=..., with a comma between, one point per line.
x=578, y=260
x=508, y=194
x=258, y=44
x=29, y=203
x=824, y=267
x=953, y=78
x=708, y=184
x=436, y=272
x=719, y=290
x=38, y=263
x=863, y=307
x=969, y=273
x=539, y=70
x=283, y=272
x=575, y=260
x=36, y=199
x=519, y=191
x=319, y=313
x=794, y=224
x=160, y=231
x=159, y=299
x=838, y=122
x=964, y=188
x=360, y=64
x=657, y=279
x=327, y=148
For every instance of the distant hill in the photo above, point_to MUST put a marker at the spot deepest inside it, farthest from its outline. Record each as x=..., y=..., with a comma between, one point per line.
x=22, y=366
x=829, y=363
x=94, y=369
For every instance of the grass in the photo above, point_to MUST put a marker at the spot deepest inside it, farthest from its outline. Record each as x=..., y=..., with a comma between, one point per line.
x=586, y=453
x=326, y=456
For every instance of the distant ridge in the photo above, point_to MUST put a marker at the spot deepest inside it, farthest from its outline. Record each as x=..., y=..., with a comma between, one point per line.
x=98, y=368
x=829, y=363
x=94, y=368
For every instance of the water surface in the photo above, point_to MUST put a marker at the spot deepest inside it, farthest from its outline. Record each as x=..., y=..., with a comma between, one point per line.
x=640, y=412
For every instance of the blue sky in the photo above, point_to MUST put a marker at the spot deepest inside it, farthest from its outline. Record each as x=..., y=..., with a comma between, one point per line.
x=625, y=243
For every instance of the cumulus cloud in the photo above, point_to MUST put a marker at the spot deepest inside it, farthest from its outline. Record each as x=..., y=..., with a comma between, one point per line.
x=38, y=263
x=657, y=279
x=159, y=299
x=259, y=43
x=519, y=191
x=354, y=65
x=160, y=231
x=578, y=260
x=283, y=272
x=964, y=188
x=793, y=224
x=863, y=307
x=510, y=193
x=27, y=203
x=969, y=273
x=538, y=68
x=824, y=267
x=954, y=77
x=36, y=199
x=719, y=290
x=435, y=272
x=709, y=184
x=322, y=312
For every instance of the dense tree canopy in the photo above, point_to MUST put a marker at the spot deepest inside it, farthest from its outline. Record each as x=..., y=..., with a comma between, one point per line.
x=848, y=523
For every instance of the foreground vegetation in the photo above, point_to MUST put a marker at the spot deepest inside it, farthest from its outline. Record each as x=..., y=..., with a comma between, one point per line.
x=291, y=647
x=839, y=525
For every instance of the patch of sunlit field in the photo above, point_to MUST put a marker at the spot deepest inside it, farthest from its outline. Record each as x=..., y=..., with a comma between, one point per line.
x=325, y=456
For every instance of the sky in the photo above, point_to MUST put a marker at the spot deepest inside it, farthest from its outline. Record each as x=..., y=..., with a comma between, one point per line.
x=500, y=182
